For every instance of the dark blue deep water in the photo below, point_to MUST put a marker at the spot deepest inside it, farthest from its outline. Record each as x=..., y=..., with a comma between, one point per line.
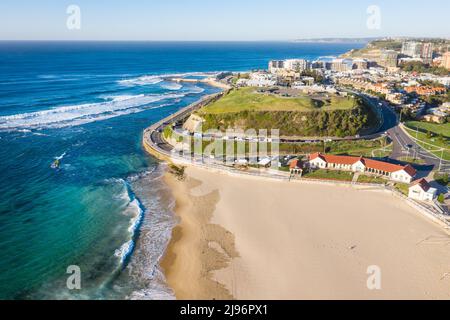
x=105, y=209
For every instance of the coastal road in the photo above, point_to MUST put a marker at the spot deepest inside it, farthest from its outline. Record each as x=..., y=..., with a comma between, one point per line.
x=404, y=146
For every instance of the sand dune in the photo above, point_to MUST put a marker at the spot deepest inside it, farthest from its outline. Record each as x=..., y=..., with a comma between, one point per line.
x=250, y=238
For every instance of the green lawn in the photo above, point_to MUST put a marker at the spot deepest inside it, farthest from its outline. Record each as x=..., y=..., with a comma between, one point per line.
x=365, y=148
x=248, y=99
x=402, y=187
x=433, y=144
x=371, y=179
x=412, y=160
x=329, y=175
x=436, y=128
x=442, y=178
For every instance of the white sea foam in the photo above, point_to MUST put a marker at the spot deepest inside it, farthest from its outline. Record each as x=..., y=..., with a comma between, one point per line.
x=155, y=233
x=122, y=97
x=197, y=90
x=155, y=79
x=133, y=209
x=124, y=251
x=172, y=86
x=141, y=81
x=80, y=114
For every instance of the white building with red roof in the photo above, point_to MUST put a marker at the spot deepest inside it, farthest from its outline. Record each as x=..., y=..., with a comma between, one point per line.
x=404, y=174
x=422, y=191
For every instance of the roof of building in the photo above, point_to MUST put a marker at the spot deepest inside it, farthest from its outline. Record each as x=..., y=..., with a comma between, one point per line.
x=369, y=163
x=423, y=184
x=293, y=164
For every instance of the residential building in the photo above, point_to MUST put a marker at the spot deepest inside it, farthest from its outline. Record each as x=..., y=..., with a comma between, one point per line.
x=360, y=64
x=394, y=172
x=434, y=118
x=412, y=49
x=308, y=80
x=276, y=65
x=446, y=60
x=427, y=53
x=395, y=97
x=297, y=65
x=422, y=191
x=426, y=90
x=341, y=65
x=259, y=79
x=388, y=59
x=318, y=65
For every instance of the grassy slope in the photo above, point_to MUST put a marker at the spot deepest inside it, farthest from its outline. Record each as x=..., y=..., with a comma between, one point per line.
x=432, y=144
x=443, y=129
x=247, y=99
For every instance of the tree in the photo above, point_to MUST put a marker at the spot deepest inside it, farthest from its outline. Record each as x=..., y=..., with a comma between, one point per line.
x=441, y=198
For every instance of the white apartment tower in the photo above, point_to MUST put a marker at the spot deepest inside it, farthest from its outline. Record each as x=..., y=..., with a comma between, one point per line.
x=412, y=49
x=297, y=65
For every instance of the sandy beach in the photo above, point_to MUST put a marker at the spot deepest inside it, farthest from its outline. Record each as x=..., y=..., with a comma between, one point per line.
x=252, y=238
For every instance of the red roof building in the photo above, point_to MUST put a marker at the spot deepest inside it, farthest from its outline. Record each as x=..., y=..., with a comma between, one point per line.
x=364, y=165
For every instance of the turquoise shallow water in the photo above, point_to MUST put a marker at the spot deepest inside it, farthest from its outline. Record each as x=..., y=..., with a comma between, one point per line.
x=105, y=209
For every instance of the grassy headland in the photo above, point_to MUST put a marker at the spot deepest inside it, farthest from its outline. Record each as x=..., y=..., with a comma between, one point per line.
x=316, y=115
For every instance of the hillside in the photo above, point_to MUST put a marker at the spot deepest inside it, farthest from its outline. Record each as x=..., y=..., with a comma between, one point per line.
x=302, y=115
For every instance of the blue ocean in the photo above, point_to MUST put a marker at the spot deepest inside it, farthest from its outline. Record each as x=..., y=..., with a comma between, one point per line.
x=105, y=208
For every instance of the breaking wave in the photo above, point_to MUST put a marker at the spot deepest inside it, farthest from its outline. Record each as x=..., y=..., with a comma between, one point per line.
x=136, y=210
x=141, y=81
x=155, y=79
x=84, y=113
x=171, y=86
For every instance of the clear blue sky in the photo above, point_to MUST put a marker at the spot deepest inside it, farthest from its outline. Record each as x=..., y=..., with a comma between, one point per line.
x=220, y=19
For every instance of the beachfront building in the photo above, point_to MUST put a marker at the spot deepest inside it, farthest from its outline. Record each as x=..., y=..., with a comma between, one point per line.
x=404, y=174
x=422, y=191
x=295, y=167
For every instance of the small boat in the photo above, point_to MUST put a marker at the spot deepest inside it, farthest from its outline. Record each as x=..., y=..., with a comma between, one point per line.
x=55, y=164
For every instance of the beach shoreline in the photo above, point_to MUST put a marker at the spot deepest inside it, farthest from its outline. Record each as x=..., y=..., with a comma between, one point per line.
x=229, y=244
x=189, y=260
